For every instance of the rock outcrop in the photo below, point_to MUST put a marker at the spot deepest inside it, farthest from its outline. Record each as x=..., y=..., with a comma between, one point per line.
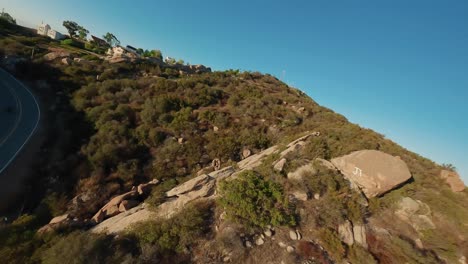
x=351, y=234
x=122, y=221
x=345, y=232
x=374, y=172
x=203, y=186
x=61, y=222
x=129, y=200
x=415, y=213
x=453, y=180
x=360, y=237
x=56, y=55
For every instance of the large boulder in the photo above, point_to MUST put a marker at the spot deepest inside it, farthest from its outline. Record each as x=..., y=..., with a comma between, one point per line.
x=453, y=179
x=374, y=172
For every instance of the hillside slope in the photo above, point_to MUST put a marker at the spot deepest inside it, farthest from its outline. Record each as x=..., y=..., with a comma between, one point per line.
x=229, y=166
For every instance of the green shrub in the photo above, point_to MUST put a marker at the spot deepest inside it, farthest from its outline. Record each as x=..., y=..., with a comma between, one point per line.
x=332, y=243
x=176, y=234
x=73, y=43
x=255, y=202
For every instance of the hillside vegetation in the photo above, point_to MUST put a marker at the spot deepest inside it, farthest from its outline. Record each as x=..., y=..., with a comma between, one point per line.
x=113, y=126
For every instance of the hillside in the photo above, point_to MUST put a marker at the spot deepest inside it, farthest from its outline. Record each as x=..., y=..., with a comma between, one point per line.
x=150, y=162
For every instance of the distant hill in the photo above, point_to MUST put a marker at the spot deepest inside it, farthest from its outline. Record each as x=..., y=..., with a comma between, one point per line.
x=213, y=167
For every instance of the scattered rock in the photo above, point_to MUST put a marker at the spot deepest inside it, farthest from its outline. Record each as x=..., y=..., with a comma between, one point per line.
x=282, y=245
x=419, y=243
x=259, y=241
x=248, y=244
x=246, y=153
x=215, y=128
x=59, y=219
x=293, y=235
x=180, y=140
x=299, y=172
x=360, y=236
x=268, y=233
x=462, y=260
x=145, y=188
x=126, y=205
x=298, y=234
x=453, y=179
x=300, y=195
x=222, y=216
x=290, y=249
x=317, y=196
x=216, y=164
x=345, y=232
x=374, y=172
x=66, y=61
x=279, y=166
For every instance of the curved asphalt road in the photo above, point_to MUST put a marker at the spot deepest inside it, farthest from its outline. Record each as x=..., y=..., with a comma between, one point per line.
x=16, y=126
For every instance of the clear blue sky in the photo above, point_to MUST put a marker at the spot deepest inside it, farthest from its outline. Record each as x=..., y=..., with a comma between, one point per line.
x=398, y=67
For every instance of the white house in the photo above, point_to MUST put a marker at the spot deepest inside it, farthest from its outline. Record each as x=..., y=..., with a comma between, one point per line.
x=43, y=29
x=54, y=34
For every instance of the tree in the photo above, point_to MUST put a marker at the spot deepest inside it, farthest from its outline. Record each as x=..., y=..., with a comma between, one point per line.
x=111, y=39
x=82, y=32
x=7, y=17
x=72, y=27
x=449, y=167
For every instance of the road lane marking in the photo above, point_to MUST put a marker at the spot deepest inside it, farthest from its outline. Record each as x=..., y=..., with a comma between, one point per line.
x=35, y=125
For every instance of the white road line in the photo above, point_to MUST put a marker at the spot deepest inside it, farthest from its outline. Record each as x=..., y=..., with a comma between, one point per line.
x=35, y=126
x=18, y=119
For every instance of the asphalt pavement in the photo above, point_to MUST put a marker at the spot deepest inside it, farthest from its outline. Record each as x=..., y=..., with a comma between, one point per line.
x=19, y=117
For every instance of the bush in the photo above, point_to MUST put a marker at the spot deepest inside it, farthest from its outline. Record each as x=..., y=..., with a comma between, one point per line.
x=255, y=202
x=175, y=235
x=73, y=43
